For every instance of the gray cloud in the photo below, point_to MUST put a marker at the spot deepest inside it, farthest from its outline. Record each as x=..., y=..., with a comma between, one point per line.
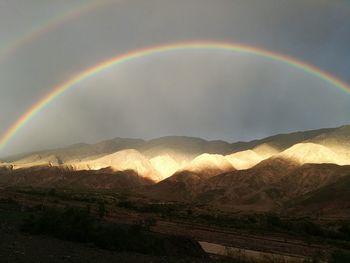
x=211, y=94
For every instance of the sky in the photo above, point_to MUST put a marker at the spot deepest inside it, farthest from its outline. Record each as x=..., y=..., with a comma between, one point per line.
x=212, y=94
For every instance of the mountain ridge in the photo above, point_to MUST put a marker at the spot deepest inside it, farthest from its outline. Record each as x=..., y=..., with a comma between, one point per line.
x=277, y=173
x=236, y=146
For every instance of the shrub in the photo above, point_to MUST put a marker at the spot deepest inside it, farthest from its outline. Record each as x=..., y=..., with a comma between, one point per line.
x=340, y=256
x=78, y=225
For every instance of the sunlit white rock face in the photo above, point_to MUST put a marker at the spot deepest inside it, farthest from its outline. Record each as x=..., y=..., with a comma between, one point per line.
x=265, y=150
x=36, y=160
x=121, y=161
x=249, y=158
x=165, y=165
x=162, y=166
x=244, y=160
x=338, y=141
x=313, y=153
x=209, y=163
x=161, y=158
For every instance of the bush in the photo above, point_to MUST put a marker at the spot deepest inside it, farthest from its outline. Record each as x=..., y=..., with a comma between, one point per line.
x=78, y=225
x=345, y=230
x=341, y=256
x=70, y=224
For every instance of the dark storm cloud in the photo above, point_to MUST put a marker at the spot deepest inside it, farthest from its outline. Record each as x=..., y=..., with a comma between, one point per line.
x=208, y=94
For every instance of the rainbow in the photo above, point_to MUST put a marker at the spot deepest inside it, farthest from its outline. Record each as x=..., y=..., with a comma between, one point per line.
x=132, y=55
x=84, y=7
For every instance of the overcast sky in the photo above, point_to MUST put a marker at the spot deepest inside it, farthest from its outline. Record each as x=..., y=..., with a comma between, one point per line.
x=209, y=94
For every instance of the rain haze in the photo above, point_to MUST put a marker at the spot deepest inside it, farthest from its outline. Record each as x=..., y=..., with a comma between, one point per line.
x=212, y=94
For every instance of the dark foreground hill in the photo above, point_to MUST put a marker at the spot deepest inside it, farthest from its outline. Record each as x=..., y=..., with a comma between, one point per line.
x=274, y=185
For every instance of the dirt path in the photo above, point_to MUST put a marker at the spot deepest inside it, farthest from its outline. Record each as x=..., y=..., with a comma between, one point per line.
x=288, y=247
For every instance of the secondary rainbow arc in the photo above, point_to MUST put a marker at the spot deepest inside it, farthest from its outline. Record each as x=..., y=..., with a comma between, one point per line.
x=205, y=45
x=44, y=27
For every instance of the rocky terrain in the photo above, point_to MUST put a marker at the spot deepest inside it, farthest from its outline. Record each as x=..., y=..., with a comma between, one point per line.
x=287, y=173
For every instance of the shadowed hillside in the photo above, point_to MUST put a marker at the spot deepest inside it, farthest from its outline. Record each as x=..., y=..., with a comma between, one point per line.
x=273, y=174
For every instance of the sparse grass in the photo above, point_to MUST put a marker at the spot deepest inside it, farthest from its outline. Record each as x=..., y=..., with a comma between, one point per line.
x=337, y=233
x=78, y=225
x=102, y=202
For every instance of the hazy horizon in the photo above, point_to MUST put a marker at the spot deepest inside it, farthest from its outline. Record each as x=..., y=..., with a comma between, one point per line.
x=155, y=138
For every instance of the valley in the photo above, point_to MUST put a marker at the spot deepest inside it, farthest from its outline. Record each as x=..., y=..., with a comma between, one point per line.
x=293, y=239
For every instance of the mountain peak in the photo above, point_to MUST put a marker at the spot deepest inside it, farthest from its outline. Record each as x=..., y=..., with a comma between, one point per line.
x=209, y=164
x=312, y=153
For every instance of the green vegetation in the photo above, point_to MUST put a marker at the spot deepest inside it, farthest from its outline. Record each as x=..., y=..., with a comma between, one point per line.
x=340, y=256
x=63, y=194
x=101, y=203
x=264, y=222
x=78, y=225
x=162, y=209
x=337, y=233
x=106, y=200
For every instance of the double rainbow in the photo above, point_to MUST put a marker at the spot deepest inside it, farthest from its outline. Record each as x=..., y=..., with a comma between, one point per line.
x=199, y=45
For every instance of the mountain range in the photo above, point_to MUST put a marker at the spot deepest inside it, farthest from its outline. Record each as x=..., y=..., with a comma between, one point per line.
x=300, y=172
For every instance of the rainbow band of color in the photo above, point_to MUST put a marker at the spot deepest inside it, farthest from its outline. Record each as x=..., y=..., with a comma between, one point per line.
x=202, y=45
x=86, y=6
